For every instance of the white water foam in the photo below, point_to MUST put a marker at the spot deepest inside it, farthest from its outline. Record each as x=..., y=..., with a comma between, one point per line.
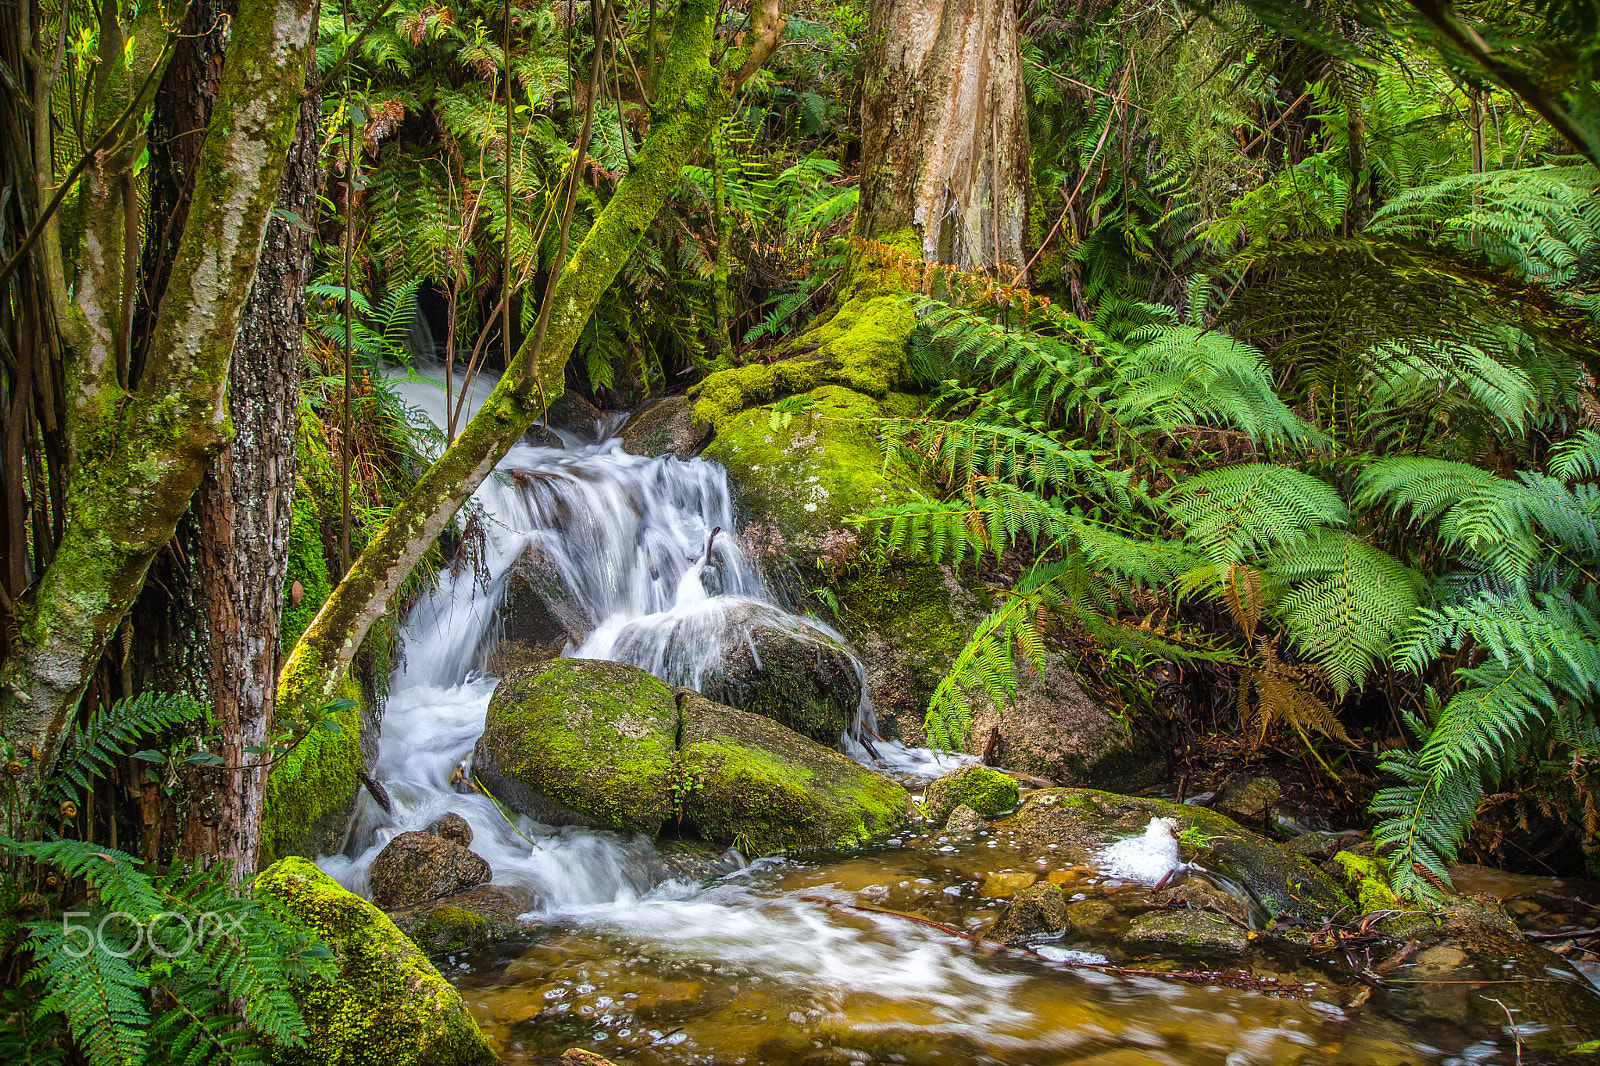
x=1148, y=857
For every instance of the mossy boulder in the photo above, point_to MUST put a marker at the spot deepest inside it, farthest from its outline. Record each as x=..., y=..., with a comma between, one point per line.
x=765, y=789
x=467, y=920
x=1249, y=800
x=986, y=790
x=798, y=475
x=1366, y=879
x=388, y=1006
x=1192, y=930
x=1080, y=822
x=312, y=790
x=861, y=346
x=581, y=742
x=800, y=677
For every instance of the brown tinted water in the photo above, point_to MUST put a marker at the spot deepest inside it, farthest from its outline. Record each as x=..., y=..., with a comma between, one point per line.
x=781, y=964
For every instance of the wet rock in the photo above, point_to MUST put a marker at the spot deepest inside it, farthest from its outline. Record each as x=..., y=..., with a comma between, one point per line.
x=765, y=789
x=581, y=742
x=1208, y=934
x=1319, y=847
x=416, y=867
x=987, y=791
x=540, y=436
x=963, y=823
x=665, y=427
x=452, y=827
x=388, y=1004
x=1038, y=910
x=805, y=680
x=1447, y=953
x=574, y=413
x=1088, y=917
x=1082, y=821
x=1195, y=892
x=467, y=920
x=1248, y=800
x=538, y=615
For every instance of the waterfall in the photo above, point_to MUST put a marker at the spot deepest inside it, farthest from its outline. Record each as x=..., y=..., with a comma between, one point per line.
x=646, y=551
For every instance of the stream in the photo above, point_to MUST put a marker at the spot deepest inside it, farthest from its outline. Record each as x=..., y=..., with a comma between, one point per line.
x=779, y=961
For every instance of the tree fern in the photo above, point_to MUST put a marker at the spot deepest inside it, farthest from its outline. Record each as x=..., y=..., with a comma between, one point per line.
x=1343, y=603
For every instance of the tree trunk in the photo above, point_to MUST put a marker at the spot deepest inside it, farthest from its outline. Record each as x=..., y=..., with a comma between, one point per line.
x=243, y=503
x=690, y=98
x=944, y=130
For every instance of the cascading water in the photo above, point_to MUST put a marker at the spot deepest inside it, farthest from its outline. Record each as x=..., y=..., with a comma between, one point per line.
x=647, y=555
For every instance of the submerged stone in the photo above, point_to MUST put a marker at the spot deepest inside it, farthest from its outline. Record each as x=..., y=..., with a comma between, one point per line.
x=581, y=742
x=389, y=1005
x=766, y=789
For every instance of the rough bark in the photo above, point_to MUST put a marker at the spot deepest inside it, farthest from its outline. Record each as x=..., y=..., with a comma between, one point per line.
x=138, y=452
x=242, y=506
x=690, y=98
x=944, y=130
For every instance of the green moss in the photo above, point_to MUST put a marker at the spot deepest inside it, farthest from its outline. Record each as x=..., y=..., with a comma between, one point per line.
x=862, y=346
x=310, y=791
x=812, y=474
x=985, y=790
x=389, y=1006
x=448, y=928
x=765, y=789
x=1364, y=875
x=595, y=737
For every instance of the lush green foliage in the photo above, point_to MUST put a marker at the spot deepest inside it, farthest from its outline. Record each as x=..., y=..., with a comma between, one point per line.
x=122, y=965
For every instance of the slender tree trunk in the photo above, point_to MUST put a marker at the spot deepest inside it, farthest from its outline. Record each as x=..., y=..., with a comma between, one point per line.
x=944, y=130
x=690, y=98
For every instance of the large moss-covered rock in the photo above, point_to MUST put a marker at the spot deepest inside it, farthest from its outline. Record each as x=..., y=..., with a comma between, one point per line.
x=800, y=474
x=765, y=789
x=312, y=790
x=388, y=1006
x=984, y=789
x=800, y=677
x=1081, y=821
x=581, y=742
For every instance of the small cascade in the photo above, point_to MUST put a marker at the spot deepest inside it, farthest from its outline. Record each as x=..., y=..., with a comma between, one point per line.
x=646, y=551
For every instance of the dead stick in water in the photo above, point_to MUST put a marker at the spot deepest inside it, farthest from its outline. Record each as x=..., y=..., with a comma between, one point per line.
x=710, y=540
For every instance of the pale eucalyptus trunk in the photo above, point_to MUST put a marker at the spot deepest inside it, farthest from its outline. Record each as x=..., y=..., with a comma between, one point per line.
x=944, y=131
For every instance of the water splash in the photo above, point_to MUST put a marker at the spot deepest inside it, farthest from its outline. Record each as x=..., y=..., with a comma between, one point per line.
x=1148, y=857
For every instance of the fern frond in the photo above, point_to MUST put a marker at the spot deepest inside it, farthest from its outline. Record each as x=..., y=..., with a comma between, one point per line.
x=1236, y=511
x=1343, y=604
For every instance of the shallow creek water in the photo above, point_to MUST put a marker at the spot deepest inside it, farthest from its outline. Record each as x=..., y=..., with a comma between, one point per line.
x=782, y=961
